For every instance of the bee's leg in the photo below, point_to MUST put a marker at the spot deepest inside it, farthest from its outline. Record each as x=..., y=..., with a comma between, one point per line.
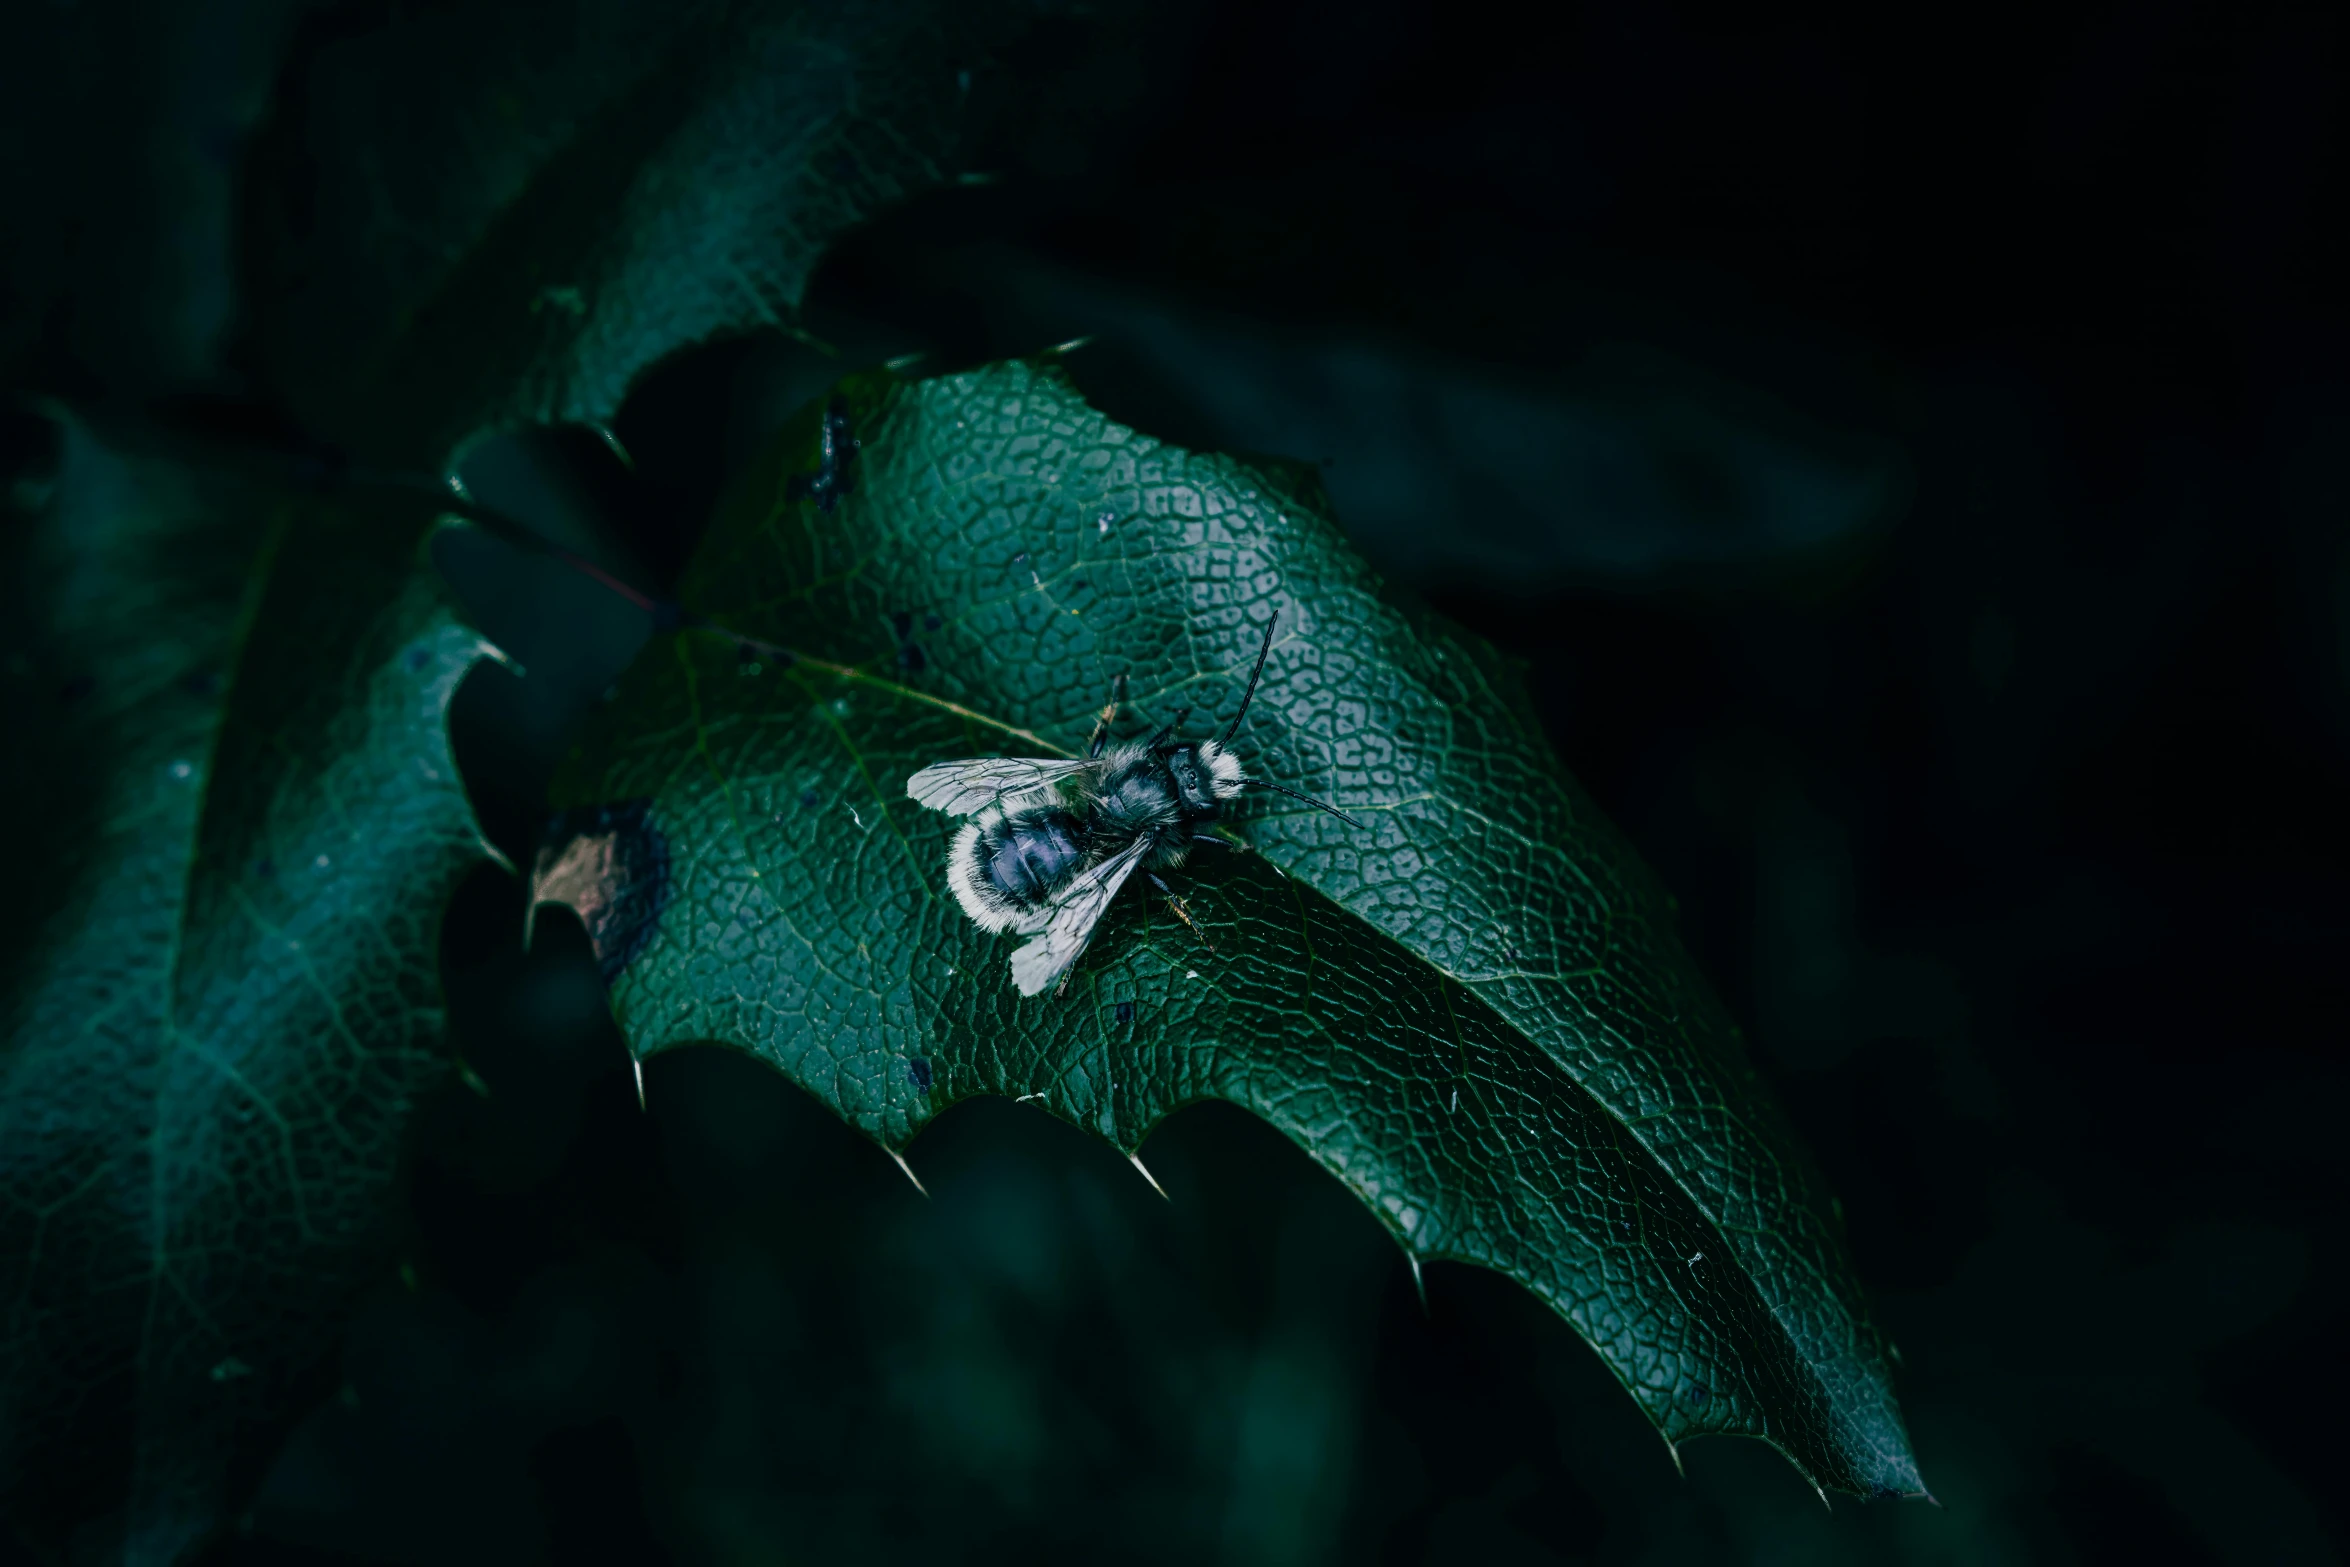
x=1180, y=910
x=1107, y=717
x=1173, y=724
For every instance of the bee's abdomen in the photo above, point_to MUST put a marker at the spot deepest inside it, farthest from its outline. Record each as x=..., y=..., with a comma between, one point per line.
x=1032, y=854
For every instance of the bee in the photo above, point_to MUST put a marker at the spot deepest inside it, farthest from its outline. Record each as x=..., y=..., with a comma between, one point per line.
x=1050, y=841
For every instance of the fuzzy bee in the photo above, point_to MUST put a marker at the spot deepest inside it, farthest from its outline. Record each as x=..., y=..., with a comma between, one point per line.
x=1051, y=841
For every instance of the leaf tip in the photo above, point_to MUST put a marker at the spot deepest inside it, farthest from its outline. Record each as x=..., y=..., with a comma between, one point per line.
x=1135, y=1159
x=485, y=648
x=497, y=856
x=909, y=1169
x=604, y=433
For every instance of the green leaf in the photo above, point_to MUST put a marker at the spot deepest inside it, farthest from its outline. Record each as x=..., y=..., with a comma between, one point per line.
x=1475, y=1013
x=587, y=186
x=237, y=822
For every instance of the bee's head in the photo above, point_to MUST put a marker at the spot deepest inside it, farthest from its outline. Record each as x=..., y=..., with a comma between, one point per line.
x=1217, y=769
x=1206, y=775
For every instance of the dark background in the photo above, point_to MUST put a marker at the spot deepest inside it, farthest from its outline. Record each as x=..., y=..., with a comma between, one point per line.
x=1907, y=455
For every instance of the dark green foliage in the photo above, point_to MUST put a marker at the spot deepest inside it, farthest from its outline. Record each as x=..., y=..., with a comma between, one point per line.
x=598, y=183
x=237, y=820
x=1476, y=1014
x=240, y=819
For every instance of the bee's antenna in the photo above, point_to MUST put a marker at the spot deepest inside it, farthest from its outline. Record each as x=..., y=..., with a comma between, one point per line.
x=1254, y=676
x=1173, y=724
x=1259, y=783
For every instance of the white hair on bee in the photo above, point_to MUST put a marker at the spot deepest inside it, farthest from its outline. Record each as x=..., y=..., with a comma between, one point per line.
x=1224, y=775
x=967, y=878
x=989, y=909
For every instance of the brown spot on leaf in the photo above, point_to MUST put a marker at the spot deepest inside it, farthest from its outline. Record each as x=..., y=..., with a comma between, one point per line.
x=610, y=865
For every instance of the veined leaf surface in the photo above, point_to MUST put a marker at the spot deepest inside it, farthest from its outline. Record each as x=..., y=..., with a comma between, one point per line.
x=1475, y=1014
x=238, y=822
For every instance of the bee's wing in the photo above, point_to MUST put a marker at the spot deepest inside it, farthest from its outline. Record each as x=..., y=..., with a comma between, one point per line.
x=967, y=787
x=1043, y=958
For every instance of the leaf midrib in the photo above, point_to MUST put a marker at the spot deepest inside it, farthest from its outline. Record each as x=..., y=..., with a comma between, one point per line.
x=792, y=657
x=257, y=576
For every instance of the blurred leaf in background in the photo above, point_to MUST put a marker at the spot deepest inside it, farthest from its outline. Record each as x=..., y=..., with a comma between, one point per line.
x=1629, y=466
x=592, y=184
x=228, y=700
